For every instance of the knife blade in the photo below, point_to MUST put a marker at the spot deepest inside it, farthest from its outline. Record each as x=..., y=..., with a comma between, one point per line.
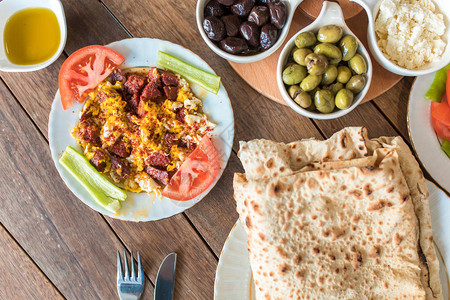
x=165, y=279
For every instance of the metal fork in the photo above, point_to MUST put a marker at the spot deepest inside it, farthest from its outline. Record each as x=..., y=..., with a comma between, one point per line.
x=129, y=287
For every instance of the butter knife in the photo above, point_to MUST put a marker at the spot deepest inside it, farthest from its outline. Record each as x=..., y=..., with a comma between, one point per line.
x=165, y=279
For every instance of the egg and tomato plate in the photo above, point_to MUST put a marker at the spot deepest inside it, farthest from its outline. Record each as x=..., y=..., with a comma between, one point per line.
x=146, y=131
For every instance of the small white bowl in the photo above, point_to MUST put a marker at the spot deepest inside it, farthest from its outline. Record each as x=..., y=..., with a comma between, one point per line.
x=331, y=14
x=291, y=6
x=10, y=7
x=372, y=7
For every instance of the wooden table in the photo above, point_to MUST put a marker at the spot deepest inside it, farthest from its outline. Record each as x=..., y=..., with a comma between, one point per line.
x=53, y=246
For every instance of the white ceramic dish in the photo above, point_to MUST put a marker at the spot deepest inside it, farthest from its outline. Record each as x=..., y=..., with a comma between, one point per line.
x=234, y=275
x=331, y=13
x=142, y=206
x=371, y=7
x=423, y=136
x=8, y=8
x=291, y=6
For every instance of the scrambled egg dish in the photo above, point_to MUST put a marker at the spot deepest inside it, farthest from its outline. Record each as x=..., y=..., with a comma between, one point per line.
x=139, y=126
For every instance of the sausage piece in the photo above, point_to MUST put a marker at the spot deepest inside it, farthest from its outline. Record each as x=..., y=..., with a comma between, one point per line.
x=89, y=132
x=181, y=113
x=99, y=160
x=120, y=148
x=168, y=78
x=134, y=83
x=158, y=159
x=160, y=175
x=120, y=168
x=151, y=91
x=154, y=76
x=171, y=92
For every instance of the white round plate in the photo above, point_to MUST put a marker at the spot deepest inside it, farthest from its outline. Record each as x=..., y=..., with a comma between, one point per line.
x=140, y=52
x=234, y=275
x=423, y=136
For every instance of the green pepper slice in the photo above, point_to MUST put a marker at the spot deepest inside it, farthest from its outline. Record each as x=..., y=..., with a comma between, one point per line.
x=446, y=147
x=437, y=88
x=101, y=189
x=210, y=82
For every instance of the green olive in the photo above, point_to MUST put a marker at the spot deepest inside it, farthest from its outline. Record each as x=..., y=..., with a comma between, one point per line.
x=294, y=90
x=300, y=54
x=343, y=99
x=335, y=87
x=292, y=51
x=294, y=74
x=310, y=82
x=324, y=101
x=329, y=50
x=344, y=74
x=348, y=45
x=316, y=63
x=356, y=83
x=330, y=75
x=312, y=107
x=305, y=39
x=330, y=34
x=358, y=64
x=303, y=99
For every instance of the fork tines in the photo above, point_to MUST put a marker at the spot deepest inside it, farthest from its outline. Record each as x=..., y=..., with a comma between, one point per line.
x=127, y=277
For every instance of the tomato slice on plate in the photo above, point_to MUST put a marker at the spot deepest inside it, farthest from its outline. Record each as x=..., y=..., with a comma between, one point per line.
x=441, y=129
x=83, y=70
x=441, y=111
x=196, y=173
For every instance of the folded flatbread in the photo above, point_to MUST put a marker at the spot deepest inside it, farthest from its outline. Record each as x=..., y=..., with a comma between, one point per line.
x=264, y=161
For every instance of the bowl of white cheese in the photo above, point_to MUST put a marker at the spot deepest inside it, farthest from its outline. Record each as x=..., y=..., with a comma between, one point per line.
x=409, y=38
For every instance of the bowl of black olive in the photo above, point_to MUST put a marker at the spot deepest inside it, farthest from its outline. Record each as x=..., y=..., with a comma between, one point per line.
x=244, y=31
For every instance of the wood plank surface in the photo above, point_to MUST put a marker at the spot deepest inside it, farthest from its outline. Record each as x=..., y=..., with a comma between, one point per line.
x=20, y=277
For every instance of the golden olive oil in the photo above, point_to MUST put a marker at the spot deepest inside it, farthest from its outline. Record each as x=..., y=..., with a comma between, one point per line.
x=31, y=36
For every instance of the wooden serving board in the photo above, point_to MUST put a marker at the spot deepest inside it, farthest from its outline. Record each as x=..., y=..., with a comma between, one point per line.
x=261, y=75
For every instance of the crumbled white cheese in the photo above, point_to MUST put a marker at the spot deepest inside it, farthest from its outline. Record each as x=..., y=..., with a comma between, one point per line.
x=410, y=32
x=192, y=119
x=192, y=103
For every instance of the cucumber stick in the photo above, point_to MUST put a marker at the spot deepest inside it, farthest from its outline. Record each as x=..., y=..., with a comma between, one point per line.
x=100, y=188
x=210, y=82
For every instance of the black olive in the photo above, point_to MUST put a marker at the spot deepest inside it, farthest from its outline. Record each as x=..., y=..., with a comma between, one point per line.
x=269, y=35
x=214, y=9
x=226, y=2
x=259, y=15
x=232, y=24
x=242, y=8
x=233, y=45
x=214, y=28
x=277, y=13
x=250, y=32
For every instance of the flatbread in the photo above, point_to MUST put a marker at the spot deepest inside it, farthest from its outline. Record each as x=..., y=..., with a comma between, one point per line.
x=420, y=198
x=264, y=159
x=346, y=233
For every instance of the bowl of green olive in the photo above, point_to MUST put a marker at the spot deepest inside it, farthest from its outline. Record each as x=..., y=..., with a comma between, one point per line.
x=324, y=71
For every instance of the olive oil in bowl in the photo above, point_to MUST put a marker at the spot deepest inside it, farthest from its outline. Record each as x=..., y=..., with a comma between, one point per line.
x=31, y=36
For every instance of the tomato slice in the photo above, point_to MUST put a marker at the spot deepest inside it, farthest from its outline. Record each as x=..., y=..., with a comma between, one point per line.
x=441, y=111
x=441, y=129
x=83, y=70
x=196, y=173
